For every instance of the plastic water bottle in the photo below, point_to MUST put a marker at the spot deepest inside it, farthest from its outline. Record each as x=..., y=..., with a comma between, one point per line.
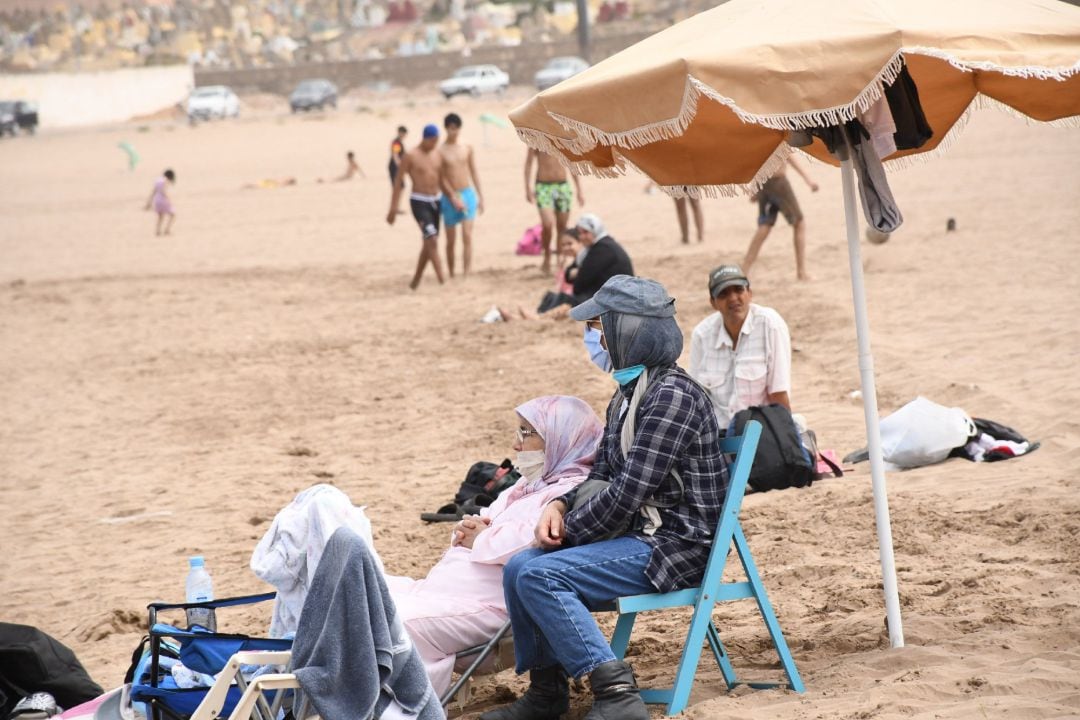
x=200, y=588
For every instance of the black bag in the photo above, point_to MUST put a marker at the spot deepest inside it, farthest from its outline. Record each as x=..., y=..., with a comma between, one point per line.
x=482, y=485
x=782, y=461
x=31, y=661
x=481, y=480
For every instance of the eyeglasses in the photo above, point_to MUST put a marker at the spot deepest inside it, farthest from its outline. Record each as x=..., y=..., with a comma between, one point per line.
x=523, y=433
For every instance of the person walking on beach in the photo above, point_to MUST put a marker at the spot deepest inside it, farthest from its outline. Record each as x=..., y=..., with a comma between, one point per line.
x=681, y=214
x=422, y=165
x=462, y=197
x=162, y=205
x=397, y=152
x=776, y=196
x=551, y=192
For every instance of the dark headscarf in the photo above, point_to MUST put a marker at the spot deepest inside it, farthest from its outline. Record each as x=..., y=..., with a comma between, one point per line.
x=641, y=339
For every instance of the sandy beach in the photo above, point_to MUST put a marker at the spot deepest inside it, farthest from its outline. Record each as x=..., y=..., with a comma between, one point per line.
x=165, y=397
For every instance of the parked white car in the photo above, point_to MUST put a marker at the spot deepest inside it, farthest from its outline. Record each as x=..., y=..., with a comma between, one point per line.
x=212, y=101
x=557, y=70
x=475, y=80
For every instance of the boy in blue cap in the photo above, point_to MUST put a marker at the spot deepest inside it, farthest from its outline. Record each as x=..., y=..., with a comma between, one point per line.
x=422, y=165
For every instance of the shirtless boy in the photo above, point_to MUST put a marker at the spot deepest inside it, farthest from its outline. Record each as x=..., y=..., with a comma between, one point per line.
x=421, y=165
x=552, y=195
x=776, y=197
x=462, y=197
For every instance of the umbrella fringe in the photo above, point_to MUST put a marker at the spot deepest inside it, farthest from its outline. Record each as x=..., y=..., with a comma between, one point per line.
x=775, y=161
x=587, y=136
x=546, y=144
x=985, y=101
x=978, y=103
x=1041, y=72
x=824, y=117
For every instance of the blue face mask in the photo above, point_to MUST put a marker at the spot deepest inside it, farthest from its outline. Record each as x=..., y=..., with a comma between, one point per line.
x=627, y=374
x=597, y=353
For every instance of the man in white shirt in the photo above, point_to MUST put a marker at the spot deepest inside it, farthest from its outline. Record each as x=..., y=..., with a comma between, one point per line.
x=741, y=353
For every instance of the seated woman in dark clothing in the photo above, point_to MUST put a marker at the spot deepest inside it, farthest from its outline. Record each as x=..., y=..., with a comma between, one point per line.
x=599, y=259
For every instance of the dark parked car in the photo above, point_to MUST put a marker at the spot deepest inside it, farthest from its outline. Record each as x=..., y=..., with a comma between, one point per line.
x=311, y=94
x=17, y=114
x=7, y=122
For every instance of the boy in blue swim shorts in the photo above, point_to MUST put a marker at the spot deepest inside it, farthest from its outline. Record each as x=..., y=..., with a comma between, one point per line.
x=462, y=197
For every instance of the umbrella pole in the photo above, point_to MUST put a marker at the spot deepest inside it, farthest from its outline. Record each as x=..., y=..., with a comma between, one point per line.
x=870, y=409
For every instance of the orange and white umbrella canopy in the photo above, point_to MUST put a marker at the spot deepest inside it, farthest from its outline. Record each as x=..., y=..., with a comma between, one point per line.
x=709, y=102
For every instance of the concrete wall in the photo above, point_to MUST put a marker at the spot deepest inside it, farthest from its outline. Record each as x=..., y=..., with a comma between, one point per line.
x=70, y=99
x=521, y=62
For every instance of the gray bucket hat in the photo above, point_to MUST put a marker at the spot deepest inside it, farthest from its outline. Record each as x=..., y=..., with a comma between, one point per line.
x=629, y=295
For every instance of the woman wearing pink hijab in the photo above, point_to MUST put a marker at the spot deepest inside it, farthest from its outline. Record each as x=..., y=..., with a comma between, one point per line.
x=460, y=602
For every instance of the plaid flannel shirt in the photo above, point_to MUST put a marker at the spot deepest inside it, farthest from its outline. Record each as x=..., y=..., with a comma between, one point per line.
x=676, y=427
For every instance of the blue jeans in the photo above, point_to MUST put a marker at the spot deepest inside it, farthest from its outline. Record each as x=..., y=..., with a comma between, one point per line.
x=549, y=594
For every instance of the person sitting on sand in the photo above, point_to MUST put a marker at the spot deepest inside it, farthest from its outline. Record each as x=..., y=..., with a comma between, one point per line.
x=556, y=303
x=741, y=353
x=159, y=200
x=351, y=169
x=460, y=602
x=601, y=258
x=269, y=183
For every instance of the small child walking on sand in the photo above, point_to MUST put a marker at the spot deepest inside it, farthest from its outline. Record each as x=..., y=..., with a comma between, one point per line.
x=159, y=200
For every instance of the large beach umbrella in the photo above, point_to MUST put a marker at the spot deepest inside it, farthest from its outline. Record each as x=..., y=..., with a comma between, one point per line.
x=706, y=107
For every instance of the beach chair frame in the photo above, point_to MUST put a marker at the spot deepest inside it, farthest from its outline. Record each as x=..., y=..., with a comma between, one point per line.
x=712, y=590
x=482, y=652
x=165, y=704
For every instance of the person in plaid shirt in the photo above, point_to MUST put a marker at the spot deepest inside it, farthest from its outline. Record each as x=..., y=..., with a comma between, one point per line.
x=649, y=529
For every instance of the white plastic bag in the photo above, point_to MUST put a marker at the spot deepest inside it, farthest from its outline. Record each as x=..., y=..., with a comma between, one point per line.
x=923, y=432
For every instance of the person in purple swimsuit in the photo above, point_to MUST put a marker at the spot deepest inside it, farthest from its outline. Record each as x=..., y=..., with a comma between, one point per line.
x=159, y=200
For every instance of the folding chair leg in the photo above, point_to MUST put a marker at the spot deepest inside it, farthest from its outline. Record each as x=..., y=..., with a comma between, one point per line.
x=464, y=678
x=691, y=654
x=620, y=639
x=721, y=655
x=786, y=661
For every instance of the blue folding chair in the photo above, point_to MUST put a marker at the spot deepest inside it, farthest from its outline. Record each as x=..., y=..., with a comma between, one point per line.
x=712, y=590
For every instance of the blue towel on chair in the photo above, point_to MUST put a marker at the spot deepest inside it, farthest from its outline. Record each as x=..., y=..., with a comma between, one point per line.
x=345, y=655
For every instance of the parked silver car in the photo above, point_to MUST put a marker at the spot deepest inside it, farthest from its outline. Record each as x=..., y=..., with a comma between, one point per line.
x=557, y=70
x=212, y=101
x=475, y=80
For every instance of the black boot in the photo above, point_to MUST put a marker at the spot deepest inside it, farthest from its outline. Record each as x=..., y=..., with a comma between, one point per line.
x=615, y=693
x=546, y=699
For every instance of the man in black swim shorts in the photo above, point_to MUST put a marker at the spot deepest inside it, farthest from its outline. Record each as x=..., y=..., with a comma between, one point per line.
x=422, y=165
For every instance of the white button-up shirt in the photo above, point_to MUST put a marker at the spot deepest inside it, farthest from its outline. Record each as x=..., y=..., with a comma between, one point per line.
x=743, y=376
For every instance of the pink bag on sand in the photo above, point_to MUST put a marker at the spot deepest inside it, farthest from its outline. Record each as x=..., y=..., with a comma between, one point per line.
x=531, y=243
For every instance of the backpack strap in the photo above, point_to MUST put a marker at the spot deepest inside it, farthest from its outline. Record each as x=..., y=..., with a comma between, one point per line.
x=836, y=469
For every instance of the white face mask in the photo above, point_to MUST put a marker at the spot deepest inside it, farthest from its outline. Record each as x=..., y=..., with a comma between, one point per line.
x=530, y=463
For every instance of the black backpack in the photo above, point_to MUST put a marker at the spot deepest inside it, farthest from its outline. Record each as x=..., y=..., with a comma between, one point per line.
x=482, y=485
x=782, y=461
x=31, y=661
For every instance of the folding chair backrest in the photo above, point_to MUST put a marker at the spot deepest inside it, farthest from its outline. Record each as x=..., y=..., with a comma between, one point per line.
x=744, y=448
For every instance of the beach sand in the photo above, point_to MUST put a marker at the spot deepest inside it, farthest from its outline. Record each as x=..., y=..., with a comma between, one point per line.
x=165, y=397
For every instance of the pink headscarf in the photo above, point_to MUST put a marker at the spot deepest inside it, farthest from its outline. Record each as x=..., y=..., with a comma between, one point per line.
x=571, y=432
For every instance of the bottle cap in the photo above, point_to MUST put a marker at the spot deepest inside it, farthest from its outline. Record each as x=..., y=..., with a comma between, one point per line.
x=196, y=561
